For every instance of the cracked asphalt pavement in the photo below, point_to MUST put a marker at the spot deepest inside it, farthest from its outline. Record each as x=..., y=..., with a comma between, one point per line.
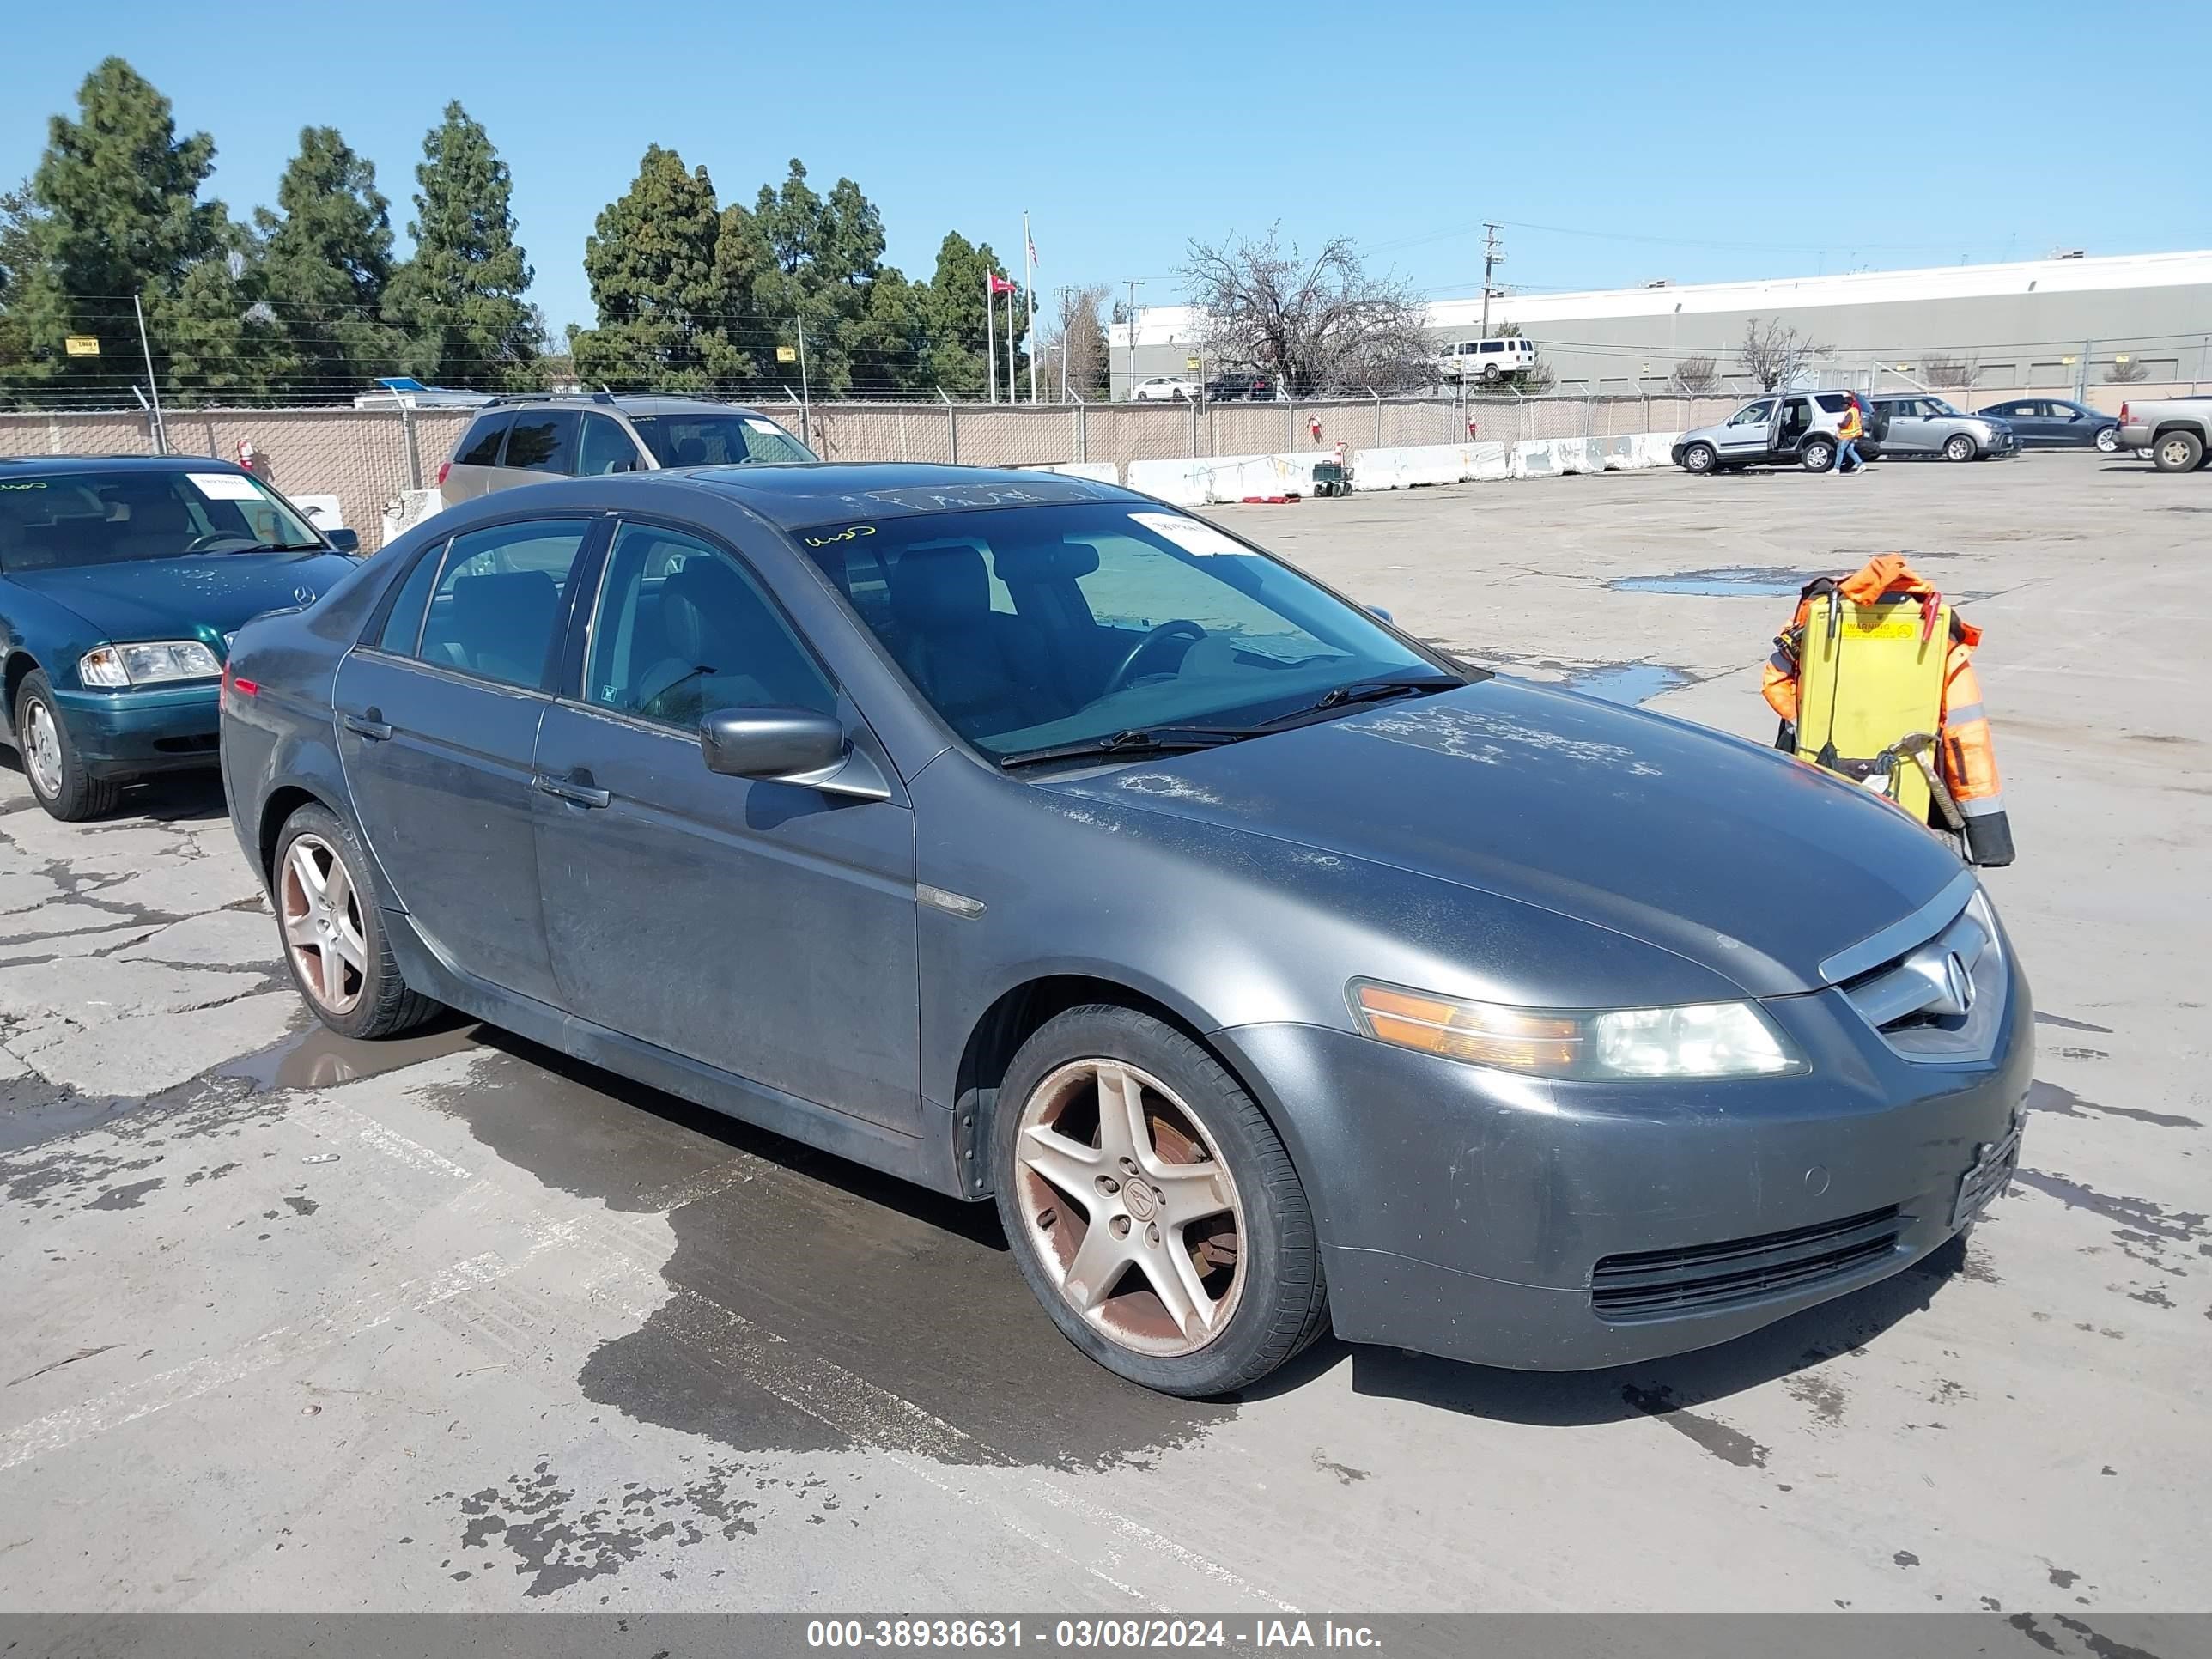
x=454, y=1323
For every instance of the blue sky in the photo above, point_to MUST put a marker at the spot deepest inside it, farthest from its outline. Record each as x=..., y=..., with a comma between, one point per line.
x=1645, y=142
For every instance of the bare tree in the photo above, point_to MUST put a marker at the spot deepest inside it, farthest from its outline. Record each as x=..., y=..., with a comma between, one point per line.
x=1773, y=354
x=1948, y=371
x=1085, y=338
x=1314, y=326
x=2127, y=372
x=1699, y=376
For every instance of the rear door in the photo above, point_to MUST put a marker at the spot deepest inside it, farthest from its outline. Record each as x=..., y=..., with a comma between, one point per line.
x=1912, y=431
x=1793, y=424
x=540, y=444
x=437, y=714
x=2030, y=418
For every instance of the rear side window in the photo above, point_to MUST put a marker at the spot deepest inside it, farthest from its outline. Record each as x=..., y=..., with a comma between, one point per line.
x=403, y=626
x=543, y=441
x=480, y=447
x=493, y=611
x=719, y=440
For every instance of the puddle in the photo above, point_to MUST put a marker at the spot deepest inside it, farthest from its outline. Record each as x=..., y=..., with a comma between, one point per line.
x=1727, y=582
x=316, y=1057
x=1632, y=682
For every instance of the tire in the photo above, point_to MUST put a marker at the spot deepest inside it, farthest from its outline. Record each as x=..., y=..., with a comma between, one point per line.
x=1490, y=374
x=1258, y=1299
x=2108, y=439
x=1700, y=460
x=59, y=779
x=1958, y=447
x=2170, y=451
x=1817, y=456
x=371, y=1000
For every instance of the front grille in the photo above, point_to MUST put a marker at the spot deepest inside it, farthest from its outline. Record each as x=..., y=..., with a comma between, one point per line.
x=1706, y=1278
x=1924, y=1011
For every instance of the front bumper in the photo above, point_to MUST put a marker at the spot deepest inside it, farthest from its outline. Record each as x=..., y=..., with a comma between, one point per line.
x=1465, y=1213
x=2003, y=443
x=159, y=729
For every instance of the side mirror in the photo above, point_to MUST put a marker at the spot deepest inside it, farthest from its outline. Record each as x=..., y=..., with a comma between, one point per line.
x=346, y=541
x=771, y=742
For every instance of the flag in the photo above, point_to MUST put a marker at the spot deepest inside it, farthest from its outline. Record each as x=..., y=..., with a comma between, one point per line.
x=1033, y=252
x=1000, y=285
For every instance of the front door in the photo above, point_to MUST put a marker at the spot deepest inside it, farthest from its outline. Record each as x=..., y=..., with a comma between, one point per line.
x=764, y=927
x=1746, y=434
x=437, y=722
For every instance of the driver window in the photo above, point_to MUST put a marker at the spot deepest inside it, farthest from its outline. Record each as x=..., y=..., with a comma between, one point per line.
x=682, y=631
x=1757, y=415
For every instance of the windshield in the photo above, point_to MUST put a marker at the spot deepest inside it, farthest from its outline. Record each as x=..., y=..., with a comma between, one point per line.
x=1028, y=627
x=69, y=518
x=717, y=440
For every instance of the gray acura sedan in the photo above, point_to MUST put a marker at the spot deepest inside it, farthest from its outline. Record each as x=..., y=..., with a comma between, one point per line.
x=1041, y=843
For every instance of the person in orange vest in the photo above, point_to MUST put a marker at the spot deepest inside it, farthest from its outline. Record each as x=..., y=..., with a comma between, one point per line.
x=1848, y=433
x=1965, y=756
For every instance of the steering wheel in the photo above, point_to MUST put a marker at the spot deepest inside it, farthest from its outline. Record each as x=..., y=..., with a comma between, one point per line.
x=1183, y=627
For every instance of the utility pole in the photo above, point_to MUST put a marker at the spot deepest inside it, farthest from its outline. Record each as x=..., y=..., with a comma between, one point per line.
x=1130, y=391
x=805, y=397
x=1492, y=256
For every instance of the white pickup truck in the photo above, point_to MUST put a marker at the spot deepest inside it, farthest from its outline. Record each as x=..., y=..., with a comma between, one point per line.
x=2178, y=431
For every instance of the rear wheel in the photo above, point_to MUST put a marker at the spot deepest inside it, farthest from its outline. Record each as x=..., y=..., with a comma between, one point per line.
x=1957, y=447
x=60, y=780
x=2108, y=439
x=333, y=933
x=1818, y=455
x=1699, y=458
x=1152, y=1206
x=2171, y=452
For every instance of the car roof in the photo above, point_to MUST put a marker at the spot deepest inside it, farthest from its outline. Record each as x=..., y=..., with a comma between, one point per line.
x=67, y=464
x=797, y=494
x=641, y=402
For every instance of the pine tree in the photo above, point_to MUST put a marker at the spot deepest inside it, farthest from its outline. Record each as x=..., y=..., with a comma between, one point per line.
x=957, y=331
x=651, y=261
x=460, y=297
x=325, y=264
x=119, y=215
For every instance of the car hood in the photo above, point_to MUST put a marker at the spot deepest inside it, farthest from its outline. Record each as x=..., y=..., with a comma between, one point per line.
x=188, y=596
x=1755, y=866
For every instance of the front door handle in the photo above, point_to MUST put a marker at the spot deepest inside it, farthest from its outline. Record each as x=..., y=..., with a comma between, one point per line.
x=368, y=726
x=576, y=795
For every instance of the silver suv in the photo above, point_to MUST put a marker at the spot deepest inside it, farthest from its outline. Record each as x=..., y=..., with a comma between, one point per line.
x=1923, y=425
x=532, y=436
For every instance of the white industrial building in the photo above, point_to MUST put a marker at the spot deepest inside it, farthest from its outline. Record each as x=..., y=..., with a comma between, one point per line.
x=2064, y=322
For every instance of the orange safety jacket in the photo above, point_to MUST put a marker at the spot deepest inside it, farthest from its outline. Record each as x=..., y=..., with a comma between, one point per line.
x=1965, y=753
x=1851, y=426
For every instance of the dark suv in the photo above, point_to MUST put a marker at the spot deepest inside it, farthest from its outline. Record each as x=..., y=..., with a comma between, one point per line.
x=1240, y=387
x=527, y=438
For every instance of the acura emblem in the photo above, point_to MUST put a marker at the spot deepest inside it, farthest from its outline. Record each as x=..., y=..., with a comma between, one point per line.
x=1957, y=983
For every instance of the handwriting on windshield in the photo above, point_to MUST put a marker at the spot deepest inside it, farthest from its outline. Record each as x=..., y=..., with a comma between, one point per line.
x=845, y=535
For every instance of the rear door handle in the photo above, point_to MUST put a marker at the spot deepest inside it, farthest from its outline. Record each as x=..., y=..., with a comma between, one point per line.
x=368, y=726
x=576, y=795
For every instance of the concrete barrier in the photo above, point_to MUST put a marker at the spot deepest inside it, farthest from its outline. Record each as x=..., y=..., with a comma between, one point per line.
x=1195, y=481
x=1096, y=472
x=1411, y=465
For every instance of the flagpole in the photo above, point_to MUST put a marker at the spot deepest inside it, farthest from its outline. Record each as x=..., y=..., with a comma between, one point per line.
x=1028, y=292
x=1009, y=343
x=990, y=335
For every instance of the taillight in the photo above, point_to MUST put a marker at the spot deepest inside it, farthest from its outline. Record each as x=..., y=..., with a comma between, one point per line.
x=2123, y=413
x=444, y=467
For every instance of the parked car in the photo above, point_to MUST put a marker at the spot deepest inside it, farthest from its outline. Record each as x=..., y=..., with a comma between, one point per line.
x=1919, y=424
x=1786, y=428
x=121, y=581
x=1018, y=836
x=2056, y=423
x=1245, y=386
x=1165, y=389
x=2177, y=431
x=1485, y=360
x=529, y=437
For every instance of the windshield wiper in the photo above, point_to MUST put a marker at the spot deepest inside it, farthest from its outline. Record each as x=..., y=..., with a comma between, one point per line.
x=1161, y=740
x=1359, y=691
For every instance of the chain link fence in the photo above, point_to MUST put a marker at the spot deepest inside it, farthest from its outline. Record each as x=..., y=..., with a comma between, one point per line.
x=368, y=458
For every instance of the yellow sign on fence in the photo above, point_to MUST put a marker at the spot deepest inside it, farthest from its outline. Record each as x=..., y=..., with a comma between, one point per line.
x=81, y=345
x=1190, y=362
x=786, y=354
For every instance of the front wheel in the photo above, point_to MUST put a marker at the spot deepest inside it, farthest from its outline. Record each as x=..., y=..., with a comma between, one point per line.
x=2174, y=451
x=1957, y=447
x=1699, y=458
x=333, y=933
x=1152, y=1207
x=2108, y=439
x=60, y=780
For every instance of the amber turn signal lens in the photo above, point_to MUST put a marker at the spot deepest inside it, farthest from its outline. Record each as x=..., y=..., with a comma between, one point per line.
x=1506, y=1038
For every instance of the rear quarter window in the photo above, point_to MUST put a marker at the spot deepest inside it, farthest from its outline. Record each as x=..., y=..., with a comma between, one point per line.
x=480, y=447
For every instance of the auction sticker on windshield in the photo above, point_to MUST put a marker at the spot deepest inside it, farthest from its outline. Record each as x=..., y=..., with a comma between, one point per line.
x=1192, y=535
x=225, y=486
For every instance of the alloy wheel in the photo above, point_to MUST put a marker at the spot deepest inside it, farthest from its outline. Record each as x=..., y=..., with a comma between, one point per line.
x=320, y=912
x=1133, y=1214
x=42, y=751
x=2108, y=439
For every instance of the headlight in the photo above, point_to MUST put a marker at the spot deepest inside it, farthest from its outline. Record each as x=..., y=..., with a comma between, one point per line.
x=118, y=666
x=1697, y=1040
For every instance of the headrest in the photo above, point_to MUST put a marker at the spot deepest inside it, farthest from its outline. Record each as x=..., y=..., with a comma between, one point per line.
x=934, y=587
x=1050, y=562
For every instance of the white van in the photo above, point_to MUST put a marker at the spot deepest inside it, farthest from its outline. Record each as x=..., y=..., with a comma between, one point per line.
x=1485, y=360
